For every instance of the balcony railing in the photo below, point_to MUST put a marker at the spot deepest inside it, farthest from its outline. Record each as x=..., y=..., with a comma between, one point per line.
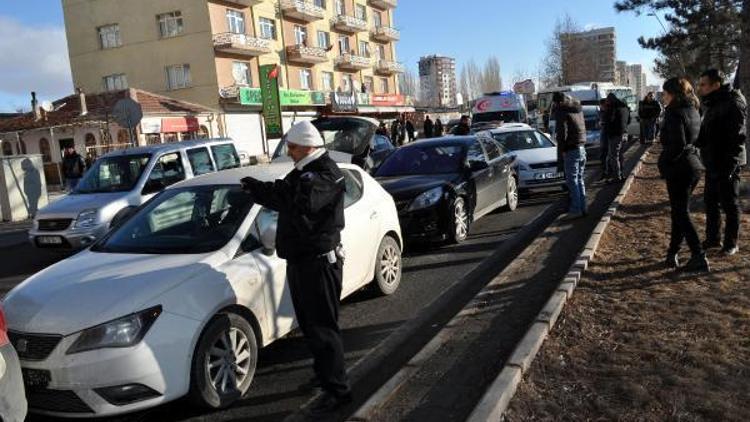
x=231, y=92
x=353, y=62
x=387, y=67
x=303, y=10
x=302, y=54
x=349, y=24
x=241, y=44
x=385, y=33
x=383, y=4
x=244, y=3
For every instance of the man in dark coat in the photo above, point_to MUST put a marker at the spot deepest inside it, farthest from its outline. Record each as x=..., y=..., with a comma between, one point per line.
x=649, y=111
x=73, y=167
x=463, y=128
x=410, y=131
x=310, y=203
x=722, y=143
x=617, y=118
x=428, y=127
x=570, y=133
x=438, y=128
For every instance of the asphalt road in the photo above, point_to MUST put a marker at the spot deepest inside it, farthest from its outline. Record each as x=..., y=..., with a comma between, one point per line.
x=366, y=319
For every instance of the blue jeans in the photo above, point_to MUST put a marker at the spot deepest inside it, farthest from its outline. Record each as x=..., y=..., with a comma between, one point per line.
x=71, y=184
x=575, y=167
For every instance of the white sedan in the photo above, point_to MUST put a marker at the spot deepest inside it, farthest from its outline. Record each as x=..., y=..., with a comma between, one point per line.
x=180, y=296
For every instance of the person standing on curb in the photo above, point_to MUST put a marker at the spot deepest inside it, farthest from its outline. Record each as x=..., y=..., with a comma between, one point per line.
x=680, y=165
x=649, y=111
x=570, y=134
x=439, y=128
x=310, y=203
x=410, y=131
x=722, y=144
x=428, y=127
x=617, y=118
x=73, y=168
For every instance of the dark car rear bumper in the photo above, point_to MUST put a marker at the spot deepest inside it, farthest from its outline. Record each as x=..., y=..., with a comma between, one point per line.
x=13, y=404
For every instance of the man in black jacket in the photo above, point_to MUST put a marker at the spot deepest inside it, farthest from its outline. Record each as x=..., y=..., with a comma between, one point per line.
x=649, y=111
x=428, y=127
x=310, y=203
x=722, y=144
x=617, y=119
x=463, y=128
x=73, y=167
x=570, y=133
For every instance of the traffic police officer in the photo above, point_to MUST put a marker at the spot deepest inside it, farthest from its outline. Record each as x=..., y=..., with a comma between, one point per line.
x=310, y=203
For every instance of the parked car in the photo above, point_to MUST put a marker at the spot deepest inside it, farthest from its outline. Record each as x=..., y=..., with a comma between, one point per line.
x=443, y=185
x=349, y=139
x=593, y=127
x=179, y=297
x=123, y=179
x=535, y=153
x=12, y=396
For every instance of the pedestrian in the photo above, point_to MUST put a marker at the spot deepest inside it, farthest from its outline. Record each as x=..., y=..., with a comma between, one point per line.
x=429, y=127
x=617, y=117
x=310, y=203
x=603, y=139
x=410, y=131
x=570, y=133
x=396, y=131
x=382, y=129
x=722, y=144
x=649, y=111
x=680, y=165
x=463, y=128
x=438, y=128
x=73, y=167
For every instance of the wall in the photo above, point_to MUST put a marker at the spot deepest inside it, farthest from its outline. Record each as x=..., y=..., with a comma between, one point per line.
x=23, y=189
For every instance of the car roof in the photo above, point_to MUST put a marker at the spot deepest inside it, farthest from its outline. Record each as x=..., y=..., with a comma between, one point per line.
x=172, y=147
x=511, y=127
x=263, y=172
x=445, y=140
x=376, y=122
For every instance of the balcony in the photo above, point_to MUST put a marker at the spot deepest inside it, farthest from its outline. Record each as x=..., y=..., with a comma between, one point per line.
x=352, y=62
x=243, y=3
x=241, y=44
x=383, y=4
x=385, y=34
x=387, y=67
x=230, y=92
x=303, y=10
x=349, y=24
x=308, y=55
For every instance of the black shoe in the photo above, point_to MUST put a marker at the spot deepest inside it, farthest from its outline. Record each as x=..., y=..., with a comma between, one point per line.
x=673, y=261
x=712, y=244
x=328, y=403
x=310, y=385
x=729, y=251
x=697, y=264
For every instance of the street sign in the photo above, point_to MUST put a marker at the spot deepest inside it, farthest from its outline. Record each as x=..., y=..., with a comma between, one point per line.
x=269, y=91
x=127, y=113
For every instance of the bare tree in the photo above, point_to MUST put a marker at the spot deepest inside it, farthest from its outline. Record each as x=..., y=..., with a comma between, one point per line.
x=408, y=84
x=492, y=80
x=470, y=81
x=555, y=62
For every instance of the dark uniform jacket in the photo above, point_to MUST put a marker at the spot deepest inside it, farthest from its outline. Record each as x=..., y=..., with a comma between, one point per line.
x=617, y=117
x=679, y=132
x=724, y=131
x=310, y=205
x=73, y=166
x=649, y=110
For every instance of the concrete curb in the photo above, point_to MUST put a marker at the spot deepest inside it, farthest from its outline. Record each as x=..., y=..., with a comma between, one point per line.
x=495, y=401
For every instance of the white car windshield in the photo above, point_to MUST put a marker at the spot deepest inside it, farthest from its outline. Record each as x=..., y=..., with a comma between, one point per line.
x=113, y=174
x=181, y=221
x=516, y=141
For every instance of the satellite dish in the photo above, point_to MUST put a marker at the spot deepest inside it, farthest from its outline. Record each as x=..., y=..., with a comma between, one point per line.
x=47, y=106
x=127, y=113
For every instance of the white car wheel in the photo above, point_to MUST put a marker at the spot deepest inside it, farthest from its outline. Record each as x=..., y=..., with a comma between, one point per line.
x=512, y=196
x=224, y=362
x=388, y=266
x=460, y=223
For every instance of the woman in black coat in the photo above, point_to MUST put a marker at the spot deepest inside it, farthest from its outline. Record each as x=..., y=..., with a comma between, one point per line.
x=680, y=165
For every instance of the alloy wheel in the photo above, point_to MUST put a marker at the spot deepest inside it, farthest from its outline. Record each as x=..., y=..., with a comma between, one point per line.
x=228, y=362
x=390, y=265
x=460, y=220
x=512, y=193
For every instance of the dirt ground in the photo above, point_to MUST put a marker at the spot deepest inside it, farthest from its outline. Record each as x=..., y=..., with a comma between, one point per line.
x=639, y=342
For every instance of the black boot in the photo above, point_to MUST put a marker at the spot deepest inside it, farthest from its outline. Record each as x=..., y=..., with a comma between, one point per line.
x=673, y=261
x=697, y=264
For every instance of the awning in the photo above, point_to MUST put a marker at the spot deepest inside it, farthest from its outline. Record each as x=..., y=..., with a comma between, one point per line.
x=179, y=124
x=384, y=110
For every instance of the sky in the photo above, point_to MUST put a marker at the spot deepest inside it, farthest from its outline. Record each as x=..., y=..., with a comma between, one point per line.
x=34, y=53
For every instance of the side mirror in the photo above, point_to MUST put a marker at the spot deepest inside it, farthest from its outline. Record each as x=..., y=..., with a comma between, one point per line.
x=153, y=186
x=267, y=224
x=122, y=216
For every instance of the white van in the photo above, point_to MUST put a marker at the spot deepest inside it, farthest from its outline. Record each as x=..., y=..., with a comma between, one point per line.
x=500, y=107
x=120, y=181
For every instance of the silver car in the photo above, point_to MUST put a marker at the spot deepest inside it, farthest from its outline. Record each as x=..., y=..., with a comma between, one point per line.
x=13, y=404
x=120, y=181
x=536, y=155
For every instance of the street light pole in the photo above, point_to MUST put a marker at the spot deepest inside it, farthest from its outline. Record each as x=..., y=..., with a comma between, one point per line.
x=679, y=54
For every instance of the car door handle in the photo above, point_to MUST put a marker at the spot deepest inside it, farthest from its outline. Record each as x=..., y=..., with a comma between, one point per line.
x=374, y=215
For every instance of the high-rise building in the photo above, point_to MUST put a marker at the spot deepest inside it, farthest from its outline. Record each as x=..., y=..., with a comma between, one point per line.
x=437, y=81
x=637, y=80
x=589, y=56
x=621, y=73
x=208, y=51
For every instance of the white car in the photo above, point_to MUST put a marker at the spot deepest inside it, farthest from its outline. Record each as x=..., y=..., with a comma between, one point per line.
x=178, y=298
x=536, y=155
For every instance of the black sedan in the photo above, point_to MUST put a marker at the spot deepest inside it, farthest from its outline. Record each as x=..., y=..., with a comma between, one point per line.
x=443, y=185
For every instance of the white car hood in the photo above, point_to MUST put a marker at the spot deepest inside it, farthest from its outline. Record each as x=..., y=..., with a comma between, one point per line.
x=536, y=155
x=91, y=288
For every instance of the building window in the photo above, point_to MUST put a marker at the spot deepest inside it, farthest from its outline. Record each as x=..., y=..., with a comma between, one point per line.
x=241, y=73
x=321, y=3
x=115, y=82
x=364, y=49
x=305, y=79
x=90, y=143
x=324, y=39
x=267, y=28
x=327, y=81
x=235, y=22
x=360, y=11
x=153, y=139
x=369, y=84
x=170, y=24
x=346, y=83
x=381, y=52
x=178, y=76
x=377, y=19
x=109, y=36
x=300, y=35
x=384, y=85
x=340, y=10
x=7, y=148
x=344, y=44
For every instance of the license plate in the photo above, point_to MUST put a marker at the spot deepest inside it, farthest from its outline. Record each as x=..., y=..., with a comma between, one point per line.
x=35, y=378
x=548, y=175
x=49, y=240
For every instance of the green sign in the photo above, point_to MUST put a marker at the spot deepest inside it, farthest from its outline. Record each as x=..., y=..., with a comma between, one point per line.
x=287, y=97
x=269, y=92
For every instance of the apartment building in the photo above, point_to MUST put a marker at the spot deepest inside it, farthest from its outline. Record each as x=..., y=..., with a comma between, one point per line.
x=208, y=52
x=589, y=56
x=437, y=81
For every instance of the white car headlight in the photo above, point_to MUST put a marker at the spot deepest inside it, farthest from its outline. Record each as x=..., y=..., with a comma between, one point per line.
x=124, y=332
x=87, y=219
x=426, y=199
